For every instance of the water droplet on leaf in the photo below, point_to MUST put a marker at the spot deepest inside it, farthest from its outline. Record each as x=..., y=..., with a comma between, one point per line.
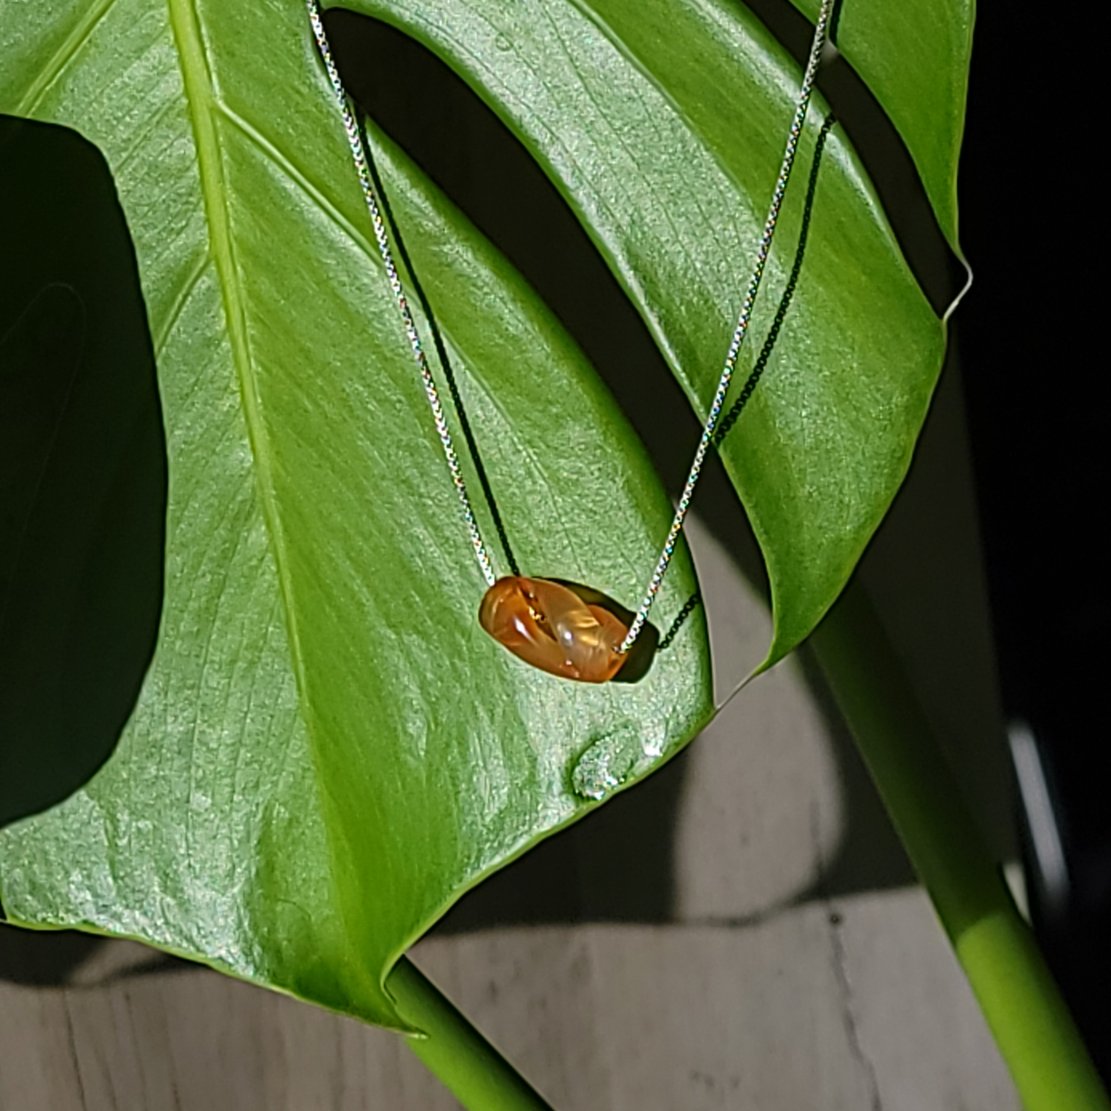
x=607, y=763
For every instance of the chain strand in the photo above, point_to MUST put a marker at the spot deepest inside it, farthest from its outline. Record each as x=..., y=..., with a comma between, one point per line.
x=362, y=168
x=729, y=421
x=741, y=329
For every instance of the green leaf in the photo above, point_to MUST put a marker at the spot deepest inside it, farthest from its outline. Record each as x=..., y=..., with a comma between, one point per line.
x=327, y=750
x=914, y=56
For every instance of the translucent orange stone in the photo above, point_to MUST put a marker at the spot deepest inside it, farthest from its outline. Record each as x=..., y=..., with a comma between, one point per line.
x=548, y=625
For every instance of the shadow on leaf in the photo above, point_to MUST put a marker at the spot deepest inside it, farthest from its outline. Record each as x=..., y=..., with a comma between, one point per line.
x=82, y=469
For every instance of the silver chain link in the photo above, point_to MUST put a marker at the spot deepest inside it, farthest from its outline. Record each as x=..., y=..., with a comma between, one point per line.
x=362, y=168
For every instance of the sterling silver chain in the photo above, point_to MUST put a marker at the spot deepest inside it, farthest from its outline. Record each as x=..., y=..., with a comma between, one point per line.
x=362, y=168
x=374, y=207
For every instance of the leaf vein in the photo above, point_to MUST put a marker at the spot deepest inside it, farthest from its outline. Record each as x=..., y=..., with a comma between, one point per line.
x=309, y=187
x=201, y=103
x=61, y=59
x=177, y=306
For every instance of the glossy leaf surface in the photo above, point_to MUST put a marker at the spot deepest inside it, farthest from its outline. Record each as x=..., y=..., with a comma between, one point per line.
x=327, y=749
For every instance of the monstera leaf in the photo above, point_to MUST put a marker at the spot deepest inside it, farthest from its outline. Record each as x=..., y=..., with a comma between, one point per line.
x=326, y=750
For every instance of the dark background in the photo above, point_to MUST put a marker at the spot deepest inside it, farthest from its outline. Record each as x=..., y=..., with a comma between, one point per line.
x=1034, y=376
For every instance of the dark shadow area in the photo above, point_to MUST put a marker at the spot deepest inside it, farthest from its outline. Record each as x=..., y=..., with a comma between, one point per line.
x=869, y=857
x=70, y=959
x=43, y=958
x=82, y=469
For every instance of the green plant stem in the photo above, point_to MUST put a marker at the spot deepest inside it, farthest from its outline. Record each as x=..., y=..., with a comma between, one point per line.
x=1020, y=1000
x=455, y=1051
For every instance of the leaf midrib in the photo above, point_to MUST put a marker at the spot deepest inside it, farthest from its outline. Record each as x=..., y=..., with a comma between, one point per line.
x=201, y=106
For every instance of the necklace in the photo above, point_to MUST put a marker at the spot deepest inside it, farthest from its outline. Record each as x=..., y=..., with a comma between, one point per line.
x=549, y=624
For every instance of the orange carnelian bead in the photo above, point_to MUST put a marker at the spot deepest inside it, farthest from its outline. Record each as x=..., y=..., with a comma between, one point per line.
x=549, y=626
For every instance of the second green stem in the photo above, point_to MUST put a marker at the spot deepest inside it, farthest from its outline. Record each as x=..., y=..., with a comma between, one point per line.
x=1019, y=998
